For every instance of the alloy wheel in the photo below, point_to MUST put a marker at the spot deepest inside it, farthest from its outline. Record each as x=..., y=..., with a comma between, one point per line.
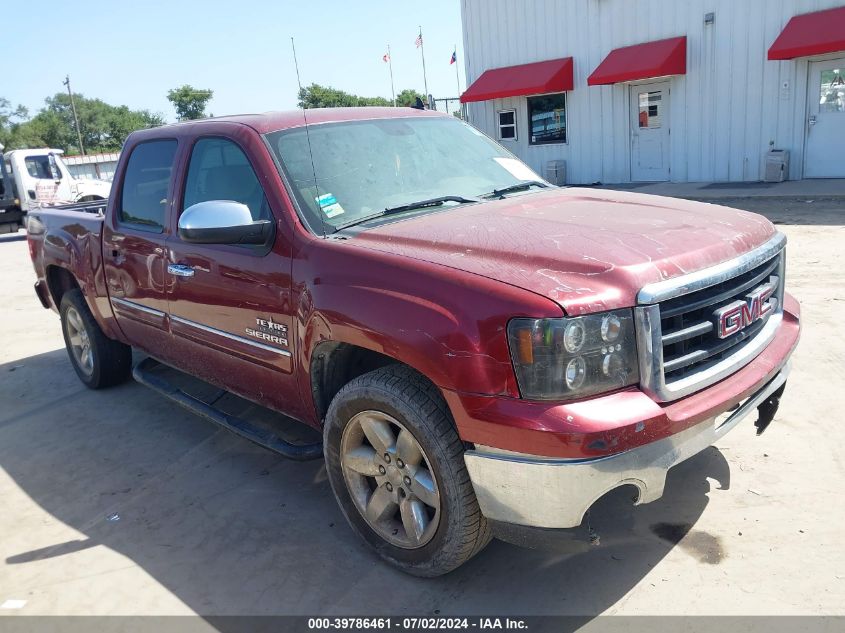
x=390, y=479
x=80, y=342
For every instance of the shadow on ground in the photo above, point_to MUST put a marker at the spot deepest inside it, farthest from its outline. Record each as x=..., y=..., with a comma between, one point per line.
x=230, y=528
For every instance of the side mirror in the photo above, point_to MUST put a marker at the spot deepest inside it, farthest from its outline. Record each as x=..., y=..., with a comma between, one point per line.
x=222, y=222
x=55, y=172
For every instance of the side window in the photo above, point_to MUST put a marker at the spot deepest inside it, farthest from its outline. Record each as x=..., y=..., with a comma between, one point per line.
x=42, y=167
x=143, y=199
x=219, y=170
x=506, y=125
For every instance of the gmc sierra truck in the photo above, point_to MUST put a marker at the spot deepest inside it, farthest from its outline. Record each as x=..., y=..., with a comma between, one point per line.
x=480, y=350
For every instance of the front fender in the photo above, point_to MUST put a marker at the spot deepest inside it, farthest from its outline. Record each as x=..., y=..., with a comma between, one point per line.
x=449, y=325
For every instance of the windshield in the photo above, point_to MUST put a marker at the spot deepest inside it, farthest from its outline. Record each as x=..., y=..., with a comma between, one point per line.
x=361, y=168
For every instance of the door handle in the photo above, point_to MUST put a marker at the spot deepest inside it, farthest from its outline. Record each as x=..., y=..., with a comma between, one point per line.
x=180, y=270
x=812, y=120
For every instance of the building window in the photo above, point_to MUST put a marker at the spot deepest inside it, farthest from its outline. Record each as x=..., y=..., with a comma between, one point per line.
x=547, y=118
x=832, y=97
x=651, y=106
x=507, y=125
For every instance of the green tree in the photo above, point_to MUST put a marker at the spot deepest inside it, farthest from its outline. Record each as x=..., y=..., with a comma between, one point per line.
x=189, y=102
x=103, y=127
x=317, y=96
x=408, y=97
x=10, y=120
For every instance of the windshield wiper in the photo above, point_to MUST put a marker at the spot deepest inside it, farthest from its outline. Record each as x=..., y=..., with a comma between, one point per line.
x=430, y=202
x=520, y=186
x=420, y=204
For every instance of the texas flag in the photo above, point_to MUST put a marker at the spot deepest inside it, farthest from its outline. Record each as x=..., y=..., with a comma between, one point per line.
x=454, y=57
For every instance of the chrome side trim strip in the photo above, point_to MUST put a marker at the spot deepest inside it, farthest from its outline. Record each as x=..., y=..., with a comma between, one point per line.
x=137, y=306
x=671, y=288
x=233, y=337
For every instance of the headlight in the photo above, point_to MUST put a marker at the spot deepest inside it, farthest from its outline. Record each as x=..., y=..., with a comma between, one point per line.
x=562, y=359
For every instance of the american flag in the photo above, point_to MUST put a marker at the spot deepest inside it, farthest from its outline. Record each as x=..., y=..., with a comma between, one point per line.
x=386, y=57
x=418, y=41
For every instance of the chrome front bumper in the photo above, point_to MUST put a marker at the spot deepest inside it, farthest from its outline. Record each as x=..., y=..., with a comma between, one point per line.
x=555, y=493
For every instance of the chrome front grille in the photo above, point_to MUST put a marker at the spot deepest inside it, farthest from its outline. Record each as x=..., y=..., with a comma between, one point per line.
x=681, y=346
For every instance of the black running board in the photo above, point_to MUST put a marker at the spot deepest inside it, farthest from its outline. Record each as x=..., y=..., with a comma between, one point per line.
x=299, y=452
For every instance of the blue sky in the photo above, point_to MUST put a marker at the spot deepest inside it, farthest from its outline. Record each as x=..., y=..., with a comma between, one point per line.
x=132, y=52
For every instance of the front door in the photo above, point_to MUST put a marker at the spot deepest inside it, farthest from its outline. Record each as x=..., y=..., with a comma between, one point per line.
x=824, y=155
x=650, y=132
x=44, y=182
x=230, y=305
x=133, y=246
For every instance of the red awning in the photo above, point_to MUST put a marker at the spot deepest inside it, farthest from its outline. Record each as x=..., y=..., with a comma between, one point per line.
x=641, y=61
x=553, y=75
x=811, y=34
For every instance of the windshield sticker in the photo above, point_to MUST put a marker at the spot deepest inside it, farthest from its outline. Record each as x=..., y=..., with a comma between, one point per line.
x=517, y=169
x=329, y=204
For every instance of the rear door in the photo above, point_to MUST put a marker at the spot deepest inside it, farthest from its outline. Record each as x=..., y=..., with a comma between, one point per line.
x=133, y=245
x=230, y=305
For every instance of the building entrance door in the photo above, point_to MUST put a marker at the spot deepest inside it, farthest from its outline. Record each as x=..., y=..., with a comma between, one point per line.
x=824, y=151
x=650, y=132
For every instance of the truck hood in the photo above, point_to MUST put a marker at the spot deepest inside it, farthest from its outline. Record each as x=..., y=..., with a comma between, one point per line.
x=587, y=250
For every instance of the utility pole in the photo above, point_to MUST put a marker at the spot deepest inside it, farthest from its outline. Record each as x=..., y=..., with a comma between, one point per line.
x=422, y=54
x=66, y=82
x=390, y=66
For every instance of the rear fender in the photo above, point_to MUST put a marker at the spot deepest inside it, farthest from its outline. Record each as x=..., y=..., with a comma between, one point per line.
x=80, y=255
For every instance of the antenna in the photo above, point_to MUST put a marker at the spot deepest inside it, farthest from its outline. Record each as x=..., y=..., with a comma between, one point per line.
x=308, y=139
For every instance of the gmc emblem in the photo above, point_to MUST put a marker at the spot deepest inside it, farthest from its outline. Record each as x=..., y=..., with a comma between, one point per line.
x=739, y=314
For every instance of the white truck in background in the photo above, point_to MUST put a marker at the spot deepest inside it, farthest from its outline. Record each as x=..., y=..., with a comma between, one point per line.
x=36, y=178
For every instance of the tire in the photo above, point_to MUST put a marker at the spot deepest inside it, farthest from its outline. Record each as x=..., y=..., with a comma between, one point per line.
x=397, y=396
x=98, y=360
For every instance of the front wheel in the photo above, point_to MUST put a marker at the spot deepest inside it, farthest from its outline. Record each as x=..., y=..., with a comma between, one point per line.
x=396, y=466
x=98, y=360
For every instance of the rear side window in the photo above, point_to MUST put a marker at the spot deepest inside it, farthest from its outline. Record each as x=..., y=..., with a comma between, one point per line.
x=219, y=170
x=143, y=199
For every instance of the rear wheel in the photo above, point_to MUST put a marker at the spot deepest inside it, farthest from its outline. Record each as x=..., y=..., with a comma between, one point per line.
x=98, y=360
x=395, y=463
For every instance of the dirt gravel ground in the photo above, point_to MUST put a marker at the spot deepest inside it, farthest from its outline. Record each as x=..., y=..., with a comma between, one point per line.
x=116, y=502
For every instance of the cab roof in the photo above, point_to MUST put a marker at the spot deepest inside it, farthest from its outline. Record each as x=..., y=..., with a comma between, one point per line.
x=274, y=121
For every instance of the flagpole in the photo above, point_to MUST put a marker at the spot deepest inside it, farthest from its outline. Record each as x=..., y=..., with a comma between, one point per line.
x=422, y=53
x=390, y=67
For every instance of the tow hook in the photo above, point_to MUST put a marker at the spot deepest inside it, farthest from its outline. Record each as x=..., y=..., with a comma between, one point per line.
x=767, y=409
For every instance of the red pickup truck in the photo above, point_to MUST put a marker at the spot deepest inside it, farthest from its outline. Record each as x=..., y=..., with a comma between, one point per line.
x=479, y=349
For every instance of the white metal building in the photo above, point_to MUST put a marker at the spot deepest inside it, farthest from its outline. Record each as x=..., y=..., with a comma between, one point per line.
x=650, y=90
x=93, y=166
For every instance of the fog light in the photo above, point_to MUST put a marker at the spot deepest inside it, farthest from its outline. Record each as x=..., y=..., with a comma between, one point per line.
x=576, y=371
x=574, y=336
